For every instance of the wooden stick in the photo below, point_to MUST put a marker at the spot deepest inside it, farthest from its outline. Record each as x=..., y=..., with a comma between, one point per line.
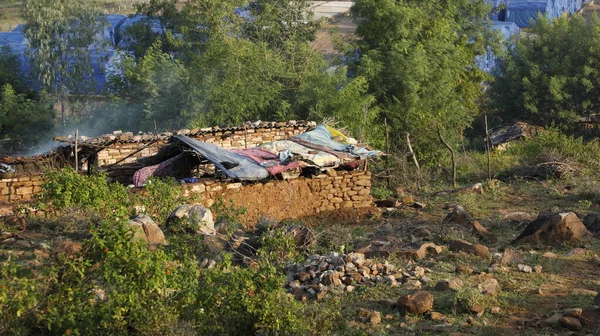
x=488, y=149
x=414, y=157
x=387, y=150
x=453, y=157
x=76, y=154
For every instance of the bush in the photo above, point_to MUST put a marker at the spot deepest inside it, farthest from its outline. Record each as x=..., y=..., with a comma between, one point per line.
x=161, y=196
x=66, y=188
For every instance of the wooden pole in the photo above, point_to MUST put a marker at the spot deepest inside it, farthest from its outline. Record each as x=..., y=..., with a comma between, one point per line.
x=453, y=157
x=488, y=149
x=76, y=150
x=414, y=157
x=387, y=151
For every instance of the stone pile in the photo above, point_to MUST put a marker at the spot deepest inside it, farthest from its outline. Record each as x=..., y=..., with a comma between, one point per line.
x=338, y=273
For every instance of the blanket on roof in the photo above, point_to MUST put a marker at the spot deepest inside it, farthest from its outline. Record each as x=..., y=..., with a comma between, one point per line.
x=268, y=160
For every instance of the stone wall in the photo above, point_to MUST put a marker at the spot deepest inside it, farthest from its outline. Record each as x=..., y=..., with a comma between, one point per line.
x=21, y=188
x=341, y=196
x=226, y=138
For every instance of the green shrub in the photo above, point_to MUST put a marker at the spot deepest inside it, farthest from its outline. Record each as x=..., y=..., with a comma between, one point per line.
x=241, y=301
x=161, y=196
x=229, y=214
x=66, y=188
x=18, y=296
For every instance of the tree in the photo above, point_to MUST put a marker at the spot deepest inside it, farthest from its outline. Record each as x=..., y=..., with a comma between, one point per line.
x=228, y=67
x=418, y=58
x=552, y=75
x=153, y=88
x=10, y=70
x=62, y=36
x=23, y=122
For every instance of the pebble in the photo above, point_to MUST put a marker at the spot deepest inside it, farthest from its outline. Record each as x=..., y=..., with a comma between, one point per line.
x=525, y=269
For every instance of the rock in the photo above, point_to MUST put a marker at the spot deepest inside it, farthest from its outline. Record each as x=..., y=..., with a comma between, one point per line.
x=435, y=316
x=144, y=228
x=418, y=271
x=416, y=251
x=518, y=217
x=525, y=269
x=200, y=218
x=590, y=318
x=553, y=319
x=357, y=258
x=489, y=287
x=537, y=268
x=390, y=280
x=22, y=243
x=592, y=222
x=511, y=257
x=477, y=309
x=303, y=277
x=426, y=280
x=552, y=229
x=495, y=310
x=570, y=323
x=417, y=303
x=459, y=215
x=350, y=288
x=465, y=246
x=68, y=247
x=550, y=255
x=413, y=284
x=449, y=284
x=375, y=318
x=465, y=270
x=573, y=312
x=577, y=251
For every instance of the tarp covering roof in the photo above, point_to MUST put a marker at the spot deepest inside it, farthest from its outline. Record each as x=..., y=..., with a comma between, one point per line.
x=233, y=165
x=488, y=61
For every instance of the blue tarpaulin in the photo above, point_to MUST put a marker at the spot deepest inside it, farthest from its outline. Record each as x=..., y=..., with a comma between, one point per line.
x=233, y=165
x=488, y=61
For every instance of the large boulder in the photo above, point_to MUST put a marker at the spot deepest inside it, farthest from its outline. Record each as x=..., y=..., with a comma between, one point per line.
x=198, y=219
x=417, y=303
x=145, y=229
x=554, y=229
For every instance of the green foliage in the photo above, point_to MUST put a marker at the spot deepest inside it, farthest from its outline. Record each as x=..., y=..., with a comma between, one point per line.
x=418, y=58
x=154, y=88
x=230, y=214
x=160, y=197
x=118, y=286
x=10, y=70
x=551, y=75
x=277, y=246
x=240, y=301
x=18, y=295
x=61, y=34
x=23, y=122
x=66, y=188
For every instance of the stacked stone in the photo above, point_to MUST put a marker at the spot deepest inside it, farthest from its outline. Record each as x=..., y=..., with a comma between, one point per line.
x=20, y=188
x=341, y=195
x=343, y=189
x=230, y=138
x=337, y=273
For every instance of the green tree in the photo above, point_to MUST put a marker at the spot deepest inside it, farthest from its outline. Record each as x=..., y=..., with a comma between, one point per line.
x=552, y=75
x=10, y=70
x=23, y=122
x=153, y=88
x=214, y=66
x=418, y=58
x=62, y=35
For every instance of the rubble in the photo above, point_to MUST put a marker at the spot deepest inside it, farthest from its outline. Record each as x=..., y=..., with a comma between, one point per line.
x=552, y=228
x=344, y=272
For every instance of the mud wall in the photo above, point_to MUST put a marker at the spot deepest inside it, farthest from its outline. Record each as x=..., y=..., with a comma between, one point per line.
x=341, y=196
x=238, y=138
x=21, y=188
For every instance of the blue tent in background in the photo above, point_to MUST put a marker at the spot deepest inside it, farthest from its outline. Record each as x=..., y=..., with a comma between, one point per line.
x=488, y=61
x=522, y=11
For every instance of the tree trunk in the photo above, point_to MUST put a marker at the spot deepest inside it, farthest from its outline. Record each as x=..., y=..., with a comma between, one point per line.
x=453, y=157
